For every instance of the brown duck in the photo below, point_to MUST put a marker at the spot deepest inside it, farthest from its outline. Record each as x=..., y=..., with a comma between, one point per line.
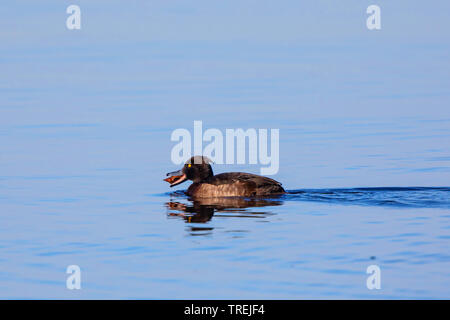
x=230, y=184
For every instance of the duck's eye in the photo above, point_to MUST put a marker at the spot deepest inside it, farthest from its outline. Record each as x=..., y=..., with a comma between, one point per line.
x=189, y=165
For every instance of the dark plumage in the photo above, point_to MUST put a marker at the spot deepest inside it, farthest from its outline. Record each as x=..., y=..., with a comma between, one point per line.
x=230, y=184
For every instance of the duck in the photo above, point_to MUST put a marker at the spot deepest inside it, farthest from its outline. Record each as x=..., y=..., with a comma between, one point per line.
x=230, y=184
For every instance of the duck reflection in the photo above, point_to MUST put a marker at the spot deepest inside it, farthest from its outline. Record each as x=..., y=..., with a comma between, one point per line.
x=202, y=210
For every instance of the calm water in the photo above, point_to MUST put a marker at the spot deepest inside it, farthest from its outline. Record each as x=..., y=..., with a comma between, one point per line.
x=85, y=124
x=305, y=244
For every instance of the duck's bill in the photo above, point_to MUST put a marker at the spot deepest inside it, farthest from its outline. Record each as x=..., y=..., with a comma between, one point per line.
x=175, y=178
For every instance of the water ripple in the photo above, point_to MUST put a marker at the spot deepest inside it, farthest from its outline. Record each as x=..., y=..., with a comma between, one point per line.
x=408, y=197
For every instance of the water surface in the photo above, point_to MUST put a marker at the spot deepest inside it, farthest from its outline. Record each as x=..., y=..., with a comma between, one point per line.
x=85, y=124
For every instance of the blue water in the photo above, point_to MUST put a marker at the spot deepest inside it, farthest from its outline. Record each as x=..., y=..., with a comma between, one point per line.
x=85, y=124
x=402, y=197
x=305, y=244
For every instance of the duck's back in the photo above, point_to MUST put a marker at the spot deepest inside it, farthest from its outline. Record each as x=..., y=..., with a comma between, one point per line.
x=233, y=184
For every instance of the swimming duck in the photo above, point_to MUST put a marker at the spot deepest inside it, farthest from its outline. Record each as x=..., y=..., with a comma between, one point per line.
x=231, y=184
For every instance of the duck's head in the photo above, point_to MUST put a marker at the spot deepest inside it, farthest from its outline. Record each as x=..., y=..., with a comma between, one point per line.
x=197, y=169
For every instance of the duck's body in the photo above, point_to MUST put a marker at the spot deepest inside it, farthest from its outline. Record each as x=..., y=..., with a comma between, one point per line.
x=230, y=184
x=234, y=184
